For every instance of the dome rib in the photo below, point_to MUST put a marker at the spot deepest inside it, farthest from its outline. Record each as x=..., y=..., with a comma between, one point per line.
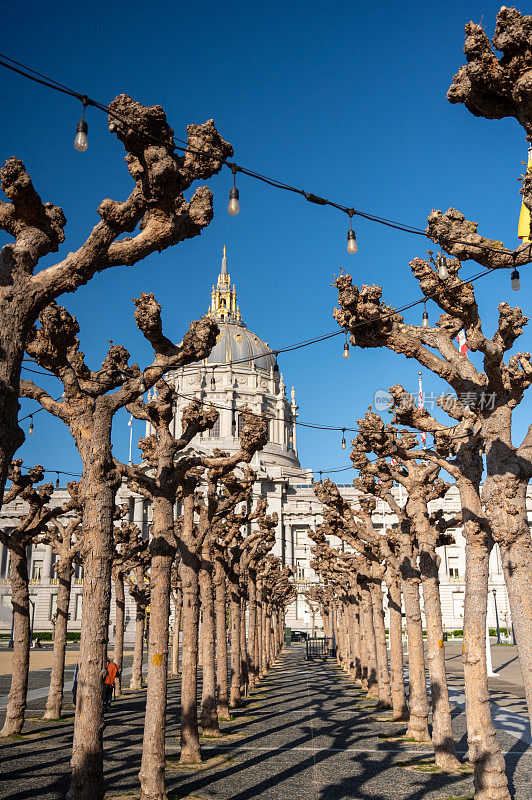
x=238, y=345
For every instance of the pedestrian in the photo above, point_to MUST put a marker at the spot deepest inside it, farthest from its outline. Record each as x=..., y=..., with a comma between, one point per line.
x=112, y=672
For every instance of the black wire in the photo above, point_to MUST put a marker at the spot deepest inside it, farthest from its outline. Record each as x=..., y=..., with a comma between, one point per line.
x=271, y=419
x=311, y=197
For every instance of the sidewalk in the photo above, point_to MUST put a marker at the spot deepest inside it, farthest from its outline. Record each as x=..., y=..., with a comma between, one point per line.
x=305, y=735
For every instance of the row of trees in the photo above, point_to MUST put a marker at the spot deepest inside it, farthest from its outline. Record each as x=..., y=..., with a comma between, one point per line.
x=215, y=557
x=210, y=539
x=201, y=546
x=475, y=447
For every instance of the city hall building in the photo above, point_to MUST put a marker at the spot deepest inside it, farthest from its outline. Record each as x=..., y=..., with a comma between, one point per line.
x=242, y=371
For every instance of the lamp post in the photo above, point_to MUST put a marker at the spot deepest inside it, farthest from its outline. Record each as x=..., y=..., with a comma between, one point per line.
x=496, y=615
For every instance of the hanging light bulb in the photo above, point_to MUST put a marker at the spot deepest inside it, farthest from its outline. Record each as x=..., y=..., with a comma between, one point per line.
x=425, y=323
x=233, y=425
x=516, y=285
x=30, y=429
x=346, y=347
x=81, y=142
x=276, y=366
x=142, y=386
x=57, y=482
x=343, y=439
x=233, y=207
x=213, y=382
x=443, y=272
x=352, y=245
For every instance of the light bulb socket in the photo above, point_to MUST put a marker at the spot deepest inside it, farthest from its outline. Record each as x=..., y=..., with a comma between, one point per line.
x=346, y=350
x=234, y=193
x=515, y=280
x=82, y=127
x=425, y=323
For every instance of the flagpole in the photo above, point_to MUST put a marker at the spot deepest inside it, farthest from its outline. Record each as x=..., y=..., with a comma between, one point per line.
x=130, y=439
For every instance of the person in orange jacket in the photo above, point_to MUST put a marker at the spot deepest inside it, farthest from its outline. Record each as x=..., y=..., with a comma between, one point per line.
x=112, y=672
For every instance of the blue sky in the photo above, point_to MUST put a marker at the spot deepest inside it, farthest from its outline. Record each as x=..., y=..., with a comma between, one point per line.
x=344, y=99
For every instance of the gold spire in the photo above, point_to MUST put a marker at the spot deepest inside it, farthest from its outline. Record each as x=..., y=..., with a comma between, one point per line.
x=223, y=306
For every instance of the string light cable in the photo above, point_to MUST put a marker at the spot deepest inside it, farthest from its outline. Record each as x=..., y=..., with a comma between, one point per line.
x=298, y=346
x=233, y=208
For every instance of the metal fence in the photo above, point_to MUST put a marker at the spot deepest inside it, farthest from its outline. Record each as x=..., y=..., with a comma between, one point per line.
x=320, y=647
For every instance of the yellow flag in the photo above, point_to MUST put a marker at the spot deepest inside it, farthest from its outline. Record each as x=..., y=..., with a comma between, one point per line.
x=523, y=229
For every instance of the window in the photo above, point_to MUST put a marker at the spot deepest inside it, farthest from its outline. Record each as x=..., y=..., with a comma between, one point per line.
x=240, y=423
x=77, y=606
x=53, y=606
x=6, y=600
x=453, y=567
x=300, y=569
x=214, y=432
x=301, y=535
x=36, y=571
x=3, y=563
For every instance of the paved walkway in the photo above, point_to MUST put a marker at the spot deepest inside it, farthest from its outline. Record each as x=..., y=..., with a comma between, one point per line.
x=305, y=735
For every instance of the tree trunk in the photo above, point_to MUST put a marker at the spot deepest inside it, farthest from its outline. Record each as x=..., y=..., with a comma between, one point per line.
x=136, y=670
x=57, y=677
x=252, y=637
x=20, y=600
x=209, y=715
x=98, y=497
x=418, y=728
x=268, y=630
x=442, y=729
x=484, y=751
x=120, y=606
x=178, y=601
x=369, y=640
x=399, y=704
x=385, y=692
x=188, y=571
x=222, y=675
x=504, y=499
x=517, y=566
x=355, y=665
x=163, y=552
x=260, y=630
x=234, y=694
x=243, y=649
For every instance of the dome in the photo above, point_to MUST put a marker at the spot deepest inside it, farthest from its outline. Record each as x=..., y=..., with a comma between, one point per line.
x=238, y=346
x=235, y=343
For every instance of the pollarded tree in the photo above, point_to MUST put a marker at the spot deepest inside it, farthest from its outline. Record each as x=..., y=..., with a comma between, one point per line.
x=212, y=511
x=404, y=561
x=163, y=477
x=156, y=215
x=253, y=560
x=489, y=395
x=128, y=549
x=236, y=547
x=492, y=88
x=17, y=540
x=65, y=537
x=419, y=479
x=177, y=599
x=138, y=586
x=91, y=399
x=457, y=450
